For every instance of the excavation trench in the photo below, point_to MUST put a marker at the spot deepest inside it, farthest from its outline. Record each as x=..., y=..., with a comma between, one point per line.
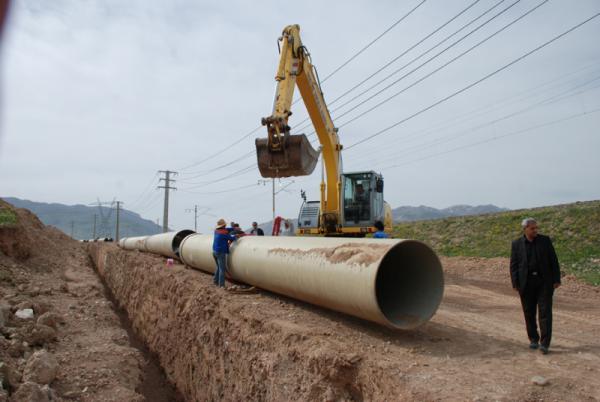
x=155, y=387
x=215, y=345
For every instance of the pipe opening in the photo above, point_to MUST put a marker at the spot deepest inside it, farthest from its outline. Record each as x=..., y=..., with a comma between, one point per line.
x=409, y=285
x=178, y=238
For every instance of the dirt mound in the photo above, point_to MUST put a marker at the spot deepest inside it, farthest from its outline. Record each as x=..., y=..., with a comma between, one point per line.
x=53, y=309
x=29, y=238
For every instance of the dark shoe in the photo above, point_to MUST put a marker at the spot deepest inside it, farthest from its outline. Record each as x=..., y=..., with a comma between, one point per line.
x=534, y=345
x=544, y=349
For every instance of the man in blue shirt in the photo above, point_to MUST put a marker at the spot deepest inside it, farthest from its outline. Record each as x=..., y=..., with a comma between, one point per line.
x=220, y=250
x=380, y=234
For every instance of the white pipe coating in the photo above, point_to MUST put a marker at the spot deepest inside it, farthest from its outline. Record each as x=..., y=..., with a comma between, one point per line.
x=397, y=283
x=134, y=243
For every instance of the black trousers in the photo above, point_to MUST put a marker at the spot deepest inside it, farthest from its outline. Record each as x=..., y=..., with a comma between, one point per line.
x=537, y=297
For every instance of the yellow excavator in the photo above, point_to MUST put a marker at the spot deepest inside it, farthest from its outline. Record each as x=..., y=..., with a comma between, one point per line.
x=350, y=203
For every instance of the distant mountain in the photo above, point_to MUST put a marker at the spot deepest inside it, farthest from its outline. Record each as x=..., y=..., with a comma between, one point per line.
x=81, y=217
x=422, y=212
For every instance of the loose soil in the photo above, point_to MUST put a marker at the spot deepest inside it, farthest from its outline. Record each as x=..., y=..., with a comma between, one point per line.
x=43, y=269
x=218, y=345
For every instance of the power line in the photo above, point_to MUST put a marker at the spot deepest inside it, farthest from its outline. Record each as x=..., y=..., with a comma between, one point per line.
x=396, y=58
x=466, y=88
x=336, y=70
x=439, y=53
x=421, y=133
x=150, y=203
x=426, y=37
x=545, y=102
x=239, y=172
x=439, y=28
x=414, y=46
x=495, y=138
x=196, y=214
x=148, y=187
x=354, y=56
x=207, y=172
x=220, y=152
x=444, y=40
x=218, y=192
x=462, y=54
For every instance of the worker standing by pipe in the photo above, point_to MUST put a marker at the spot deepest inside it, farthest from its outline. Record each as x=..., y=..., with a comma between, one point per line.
x=256, y=231
x=380, y=234
x=221, y=241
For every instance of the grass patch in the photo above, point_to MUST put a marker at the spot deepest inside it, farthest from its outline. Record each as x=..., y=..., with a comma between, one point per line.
x=7, y=217
x=574, y=229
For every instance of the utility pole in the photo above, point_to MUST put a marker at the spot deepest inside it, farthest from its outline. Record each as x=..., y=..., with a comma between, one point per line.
x=72, y=228
x=168, y=180
x=273, y=192
x=264, y=183
x=118, y=216
x=105, y=214
x=195, y=217
x=203, y=211
x=94, y=229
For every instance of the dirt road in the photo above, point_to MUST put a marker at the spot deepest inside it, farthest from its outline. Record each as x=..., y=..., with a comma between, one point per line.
x=483, y=352
x=218, y=345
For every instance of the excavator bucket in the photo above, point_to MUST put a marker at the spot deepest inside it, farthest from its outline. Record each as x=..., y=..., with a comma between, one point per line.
x=297, y=157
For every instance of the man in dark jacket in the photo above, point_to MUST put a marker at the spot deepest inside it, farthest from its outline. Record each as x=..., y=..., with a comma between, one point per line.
x=535, y=273
x=256, y=230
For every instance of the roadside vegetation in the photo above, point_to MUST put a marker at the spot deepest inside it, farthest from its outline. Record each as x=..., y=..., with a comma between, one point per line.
x=574, y=229
x=7, y=217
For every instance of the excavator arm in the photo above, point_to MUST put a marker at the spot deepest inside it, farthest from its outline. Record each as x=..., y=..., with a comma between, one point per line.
x=282, y=154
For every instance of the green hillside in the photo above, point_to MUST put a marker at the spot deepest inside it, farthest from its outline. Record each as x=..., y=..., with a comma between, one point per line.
x=574, y=229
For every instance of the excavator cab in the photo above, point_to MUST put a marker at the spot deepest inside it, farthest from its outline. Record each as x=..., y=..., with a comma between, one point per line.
x=362, y=206
x=362, y=200
x=288, y=155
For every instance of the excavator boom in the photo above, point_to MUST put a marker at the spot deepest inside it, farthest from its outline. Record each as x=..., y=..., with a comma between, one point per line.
x=349, y=204
x=282, y=154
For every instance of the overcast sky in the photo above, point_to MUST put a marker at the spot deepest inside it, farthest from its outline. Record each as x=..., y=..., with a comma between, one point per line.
x=99, y=95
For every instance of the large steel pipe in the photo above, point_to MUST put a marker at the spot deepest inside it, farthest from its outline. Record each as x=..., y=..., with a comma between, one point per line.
x=167, y=244
x=398, y=283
